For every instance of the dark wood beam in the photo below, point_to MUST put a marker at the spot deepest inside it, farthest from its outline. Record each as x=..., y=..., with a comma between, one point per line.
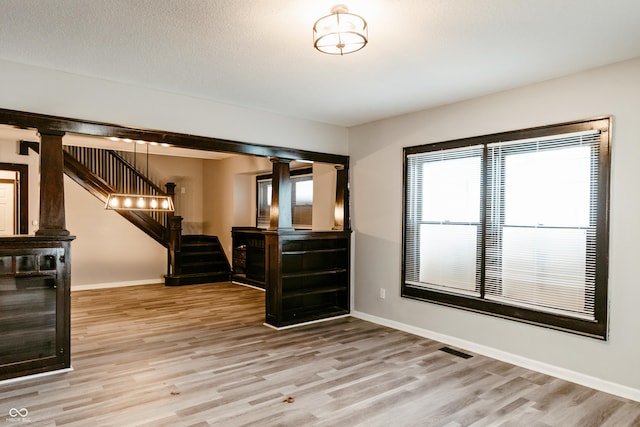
x=62, y=124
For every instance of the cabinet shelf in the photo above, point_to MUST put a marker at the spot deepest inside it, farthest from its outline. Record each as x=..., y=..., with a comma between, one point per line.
x=314, y=273
x=313, y=291
x=313, y=251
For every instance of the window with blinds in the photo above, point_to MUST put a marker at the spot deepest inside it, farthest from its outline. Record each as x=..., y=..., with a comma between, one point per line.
x=512, y=224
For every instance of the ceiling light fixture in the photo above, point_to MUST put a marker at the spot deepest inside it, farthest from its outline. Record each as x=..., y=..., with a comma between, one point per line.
x=139, y=202
x=341, y=32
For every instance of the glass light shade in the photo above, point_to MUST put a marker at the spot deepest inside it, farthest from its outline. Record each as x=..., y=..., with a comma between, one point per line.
x=340, y=33
x=143, y=202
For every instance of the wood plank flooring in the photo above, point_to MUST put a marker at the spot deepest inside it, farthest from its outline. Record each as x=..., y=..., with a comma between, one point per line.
x=200, y=356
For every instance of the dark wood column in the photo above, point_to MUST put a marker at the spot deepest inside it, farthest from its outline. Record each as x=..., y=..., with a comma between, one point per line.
x=52, y=215
x=341, y=213
x=280, y=215
x=170, y=188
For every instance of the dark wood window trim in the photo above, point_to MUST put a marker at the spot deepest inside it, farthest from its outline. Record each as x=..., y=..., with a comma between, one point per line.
x=594, y=328
x=23, y=194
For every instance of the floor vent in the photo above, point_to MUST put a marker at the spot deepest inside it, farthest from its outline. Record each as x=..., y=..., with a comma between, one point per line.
x=455, y=352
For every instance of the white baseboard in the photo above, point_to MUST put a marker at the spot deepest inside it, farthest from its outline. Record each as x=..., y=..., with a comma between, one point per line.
x=154, y=281
x=545, y=368
x=33, y=376
x=247, y=285
x=310, y=322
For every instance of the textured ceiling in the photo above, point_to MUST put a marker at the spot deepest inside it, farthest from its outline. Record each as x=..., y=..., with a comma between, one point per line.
x=259, y=54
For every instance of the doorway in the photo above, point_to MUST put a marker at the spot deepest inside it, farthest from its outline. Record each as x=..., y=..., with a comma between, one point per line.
x=14, y=209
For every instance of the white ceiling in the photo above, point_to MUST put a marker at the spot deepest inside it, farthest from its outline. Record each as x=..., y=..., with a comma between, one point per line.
x=259, y=54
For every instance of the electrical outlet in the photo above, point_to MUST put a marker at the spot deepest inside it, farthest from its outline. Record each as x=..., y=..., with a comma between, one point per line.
x=383, y=293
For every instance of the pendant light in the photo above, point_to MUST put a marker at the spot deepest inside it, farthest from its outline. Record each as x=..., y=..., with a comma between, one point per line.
x=139, y=201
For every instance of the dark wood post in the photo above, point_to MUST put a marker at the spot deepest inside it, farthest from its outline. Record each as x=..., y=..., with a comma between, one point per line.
x=170, y=187
x=52, y=216
x=341, y=211
x=280, y=216
x=174, y=236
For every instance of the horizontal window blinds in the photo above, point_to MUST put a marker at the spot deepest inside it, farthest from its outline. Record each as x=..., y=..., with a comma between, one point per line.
x=442, y=219
x=512, y=222
x=541, y=225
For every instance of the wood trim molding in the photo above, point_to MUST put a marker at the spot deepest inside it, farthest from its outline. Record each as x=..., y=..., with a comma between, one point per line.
x=85, y=127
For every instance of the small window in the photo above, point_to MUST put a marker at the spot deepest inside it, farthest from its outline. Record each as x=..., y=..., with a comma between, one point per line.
x=301, y=198
x=513, y=225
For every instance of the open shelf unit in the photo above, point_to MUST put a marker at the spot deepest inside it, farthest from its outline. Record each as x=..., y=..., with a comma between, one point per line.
x=248, y=256
x=305, y=273
x=313, y=279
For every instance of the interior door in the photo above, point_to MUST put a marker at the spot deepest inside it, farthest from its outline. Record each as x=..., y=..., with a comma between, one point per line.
x=7, y=207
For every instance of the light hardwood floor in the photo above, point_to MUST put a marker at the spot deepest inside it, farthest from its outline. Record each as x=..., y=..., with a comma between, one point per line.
x=200, y=356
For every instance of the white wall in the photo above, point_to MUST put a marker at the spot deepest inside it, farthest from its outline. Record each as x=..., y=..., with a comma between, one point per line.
x=108, y=250
x=39, y=90
x=376, y=189
x=229, y=195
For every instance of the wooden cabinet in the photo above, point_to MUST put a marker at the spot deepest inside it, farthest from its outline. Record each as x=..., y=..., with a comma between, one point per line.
x=314, y=278
x=249, y=256
x=34, y=305
x=305, y=273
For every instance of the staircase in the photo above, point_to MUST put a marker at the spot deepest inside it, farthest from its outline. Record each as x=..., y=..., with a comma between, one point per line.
x=201, y=260
x=101, y=172
x=192, y=259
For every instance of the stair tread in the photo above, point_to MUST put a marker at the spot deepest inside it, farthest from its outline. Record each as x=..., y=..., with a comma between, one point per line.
x=199, y=253
x=202, y=239
x=204, y=263
x=197, y=247
x=208, y=273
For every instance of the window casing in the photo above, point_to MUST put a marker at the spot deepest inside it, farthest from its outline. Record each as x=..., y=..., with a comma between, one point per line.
x=301, y=198
x=513, y=225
